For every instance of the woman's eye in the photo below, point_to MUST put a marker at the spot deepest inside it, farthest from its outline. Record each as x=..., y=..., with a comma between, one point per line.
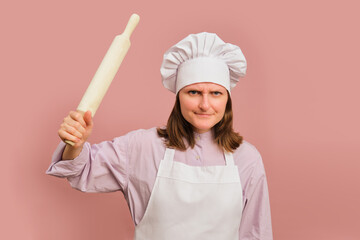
x=193, y=92
x=217, y=93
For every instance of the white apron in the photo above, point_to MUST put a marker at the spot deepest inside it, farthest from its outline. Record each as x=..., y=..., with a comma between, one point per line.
x=193, y=203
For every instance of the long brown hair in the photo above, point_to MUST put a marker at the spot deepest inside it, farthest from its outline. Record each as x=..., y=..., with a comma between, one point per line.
x=178, y=128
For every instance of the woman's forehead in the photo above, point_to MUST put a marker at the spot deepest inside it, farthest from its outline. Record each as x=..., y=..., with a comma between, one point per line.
x=205, y=86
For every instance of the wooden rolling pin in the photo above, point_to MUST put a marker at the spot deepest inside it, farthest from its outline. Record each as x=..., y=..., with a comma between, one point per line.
x=107, y=70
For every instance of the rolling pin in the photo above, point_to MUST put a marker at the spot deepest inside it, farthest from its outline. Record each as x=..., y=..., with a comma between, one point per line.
x=107, y=70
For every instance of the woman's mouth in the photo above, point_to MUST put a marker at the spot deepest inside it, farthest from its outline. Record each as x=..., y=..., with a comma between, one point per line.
x=203, y=114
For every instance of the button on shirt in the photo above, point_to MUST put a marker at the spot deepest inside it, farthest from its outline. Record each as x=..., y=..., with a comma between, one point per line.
x=129, y=164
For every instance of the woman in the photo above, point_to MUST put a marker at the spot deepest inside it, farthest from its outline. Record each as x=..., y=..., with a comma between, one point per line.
x=194, y=179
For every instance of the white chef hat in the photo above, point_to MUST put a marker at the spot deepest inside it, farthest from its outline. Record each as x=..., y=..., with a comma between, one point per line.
x=202, y=57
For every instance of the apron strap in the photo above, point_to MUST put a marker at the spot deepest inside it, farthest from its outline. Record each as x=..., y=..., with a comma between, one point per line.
x=169, y=154
x=229, y=158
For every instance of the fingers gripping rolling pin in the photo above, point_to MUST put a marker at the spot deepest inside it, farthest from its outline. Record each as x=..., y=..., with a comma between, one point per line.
x=107, y=70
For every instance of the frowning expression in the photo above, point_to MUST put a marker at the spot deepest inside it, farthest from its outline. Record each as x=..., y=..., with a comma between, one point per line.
x=203, y=105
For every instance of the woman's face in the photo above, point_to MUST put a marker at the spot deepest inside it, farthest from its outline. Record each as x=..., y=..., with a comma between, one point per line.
x=203, y=105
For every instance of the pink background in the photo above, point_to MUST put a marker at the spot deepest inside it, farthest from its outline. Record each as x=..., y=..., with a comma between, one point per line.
x=299, y=105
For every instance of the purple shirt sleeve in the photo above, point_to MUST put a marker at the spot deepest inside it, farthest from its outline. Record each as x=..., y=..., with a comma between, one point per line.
x=256, y=218
x=99, y=167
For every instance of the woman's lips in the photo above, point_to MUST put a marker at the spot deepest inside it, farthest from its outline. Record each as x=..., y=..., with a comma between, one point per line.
x=203, y=114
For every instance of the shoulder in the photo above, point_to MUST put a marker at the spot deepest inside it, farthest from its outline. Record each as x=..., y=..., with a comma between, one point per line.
x=145, y=134
x=247, y=150
x=247, y=156
x=140, y=138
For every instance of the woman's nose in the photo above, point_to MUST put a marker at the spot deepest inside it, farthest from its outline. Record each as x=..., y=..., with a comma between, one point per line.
x=204, y=103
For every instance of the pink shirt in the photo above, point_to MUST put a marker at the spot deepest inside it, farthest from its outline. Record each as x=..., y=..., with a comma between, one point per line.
x=129, y=164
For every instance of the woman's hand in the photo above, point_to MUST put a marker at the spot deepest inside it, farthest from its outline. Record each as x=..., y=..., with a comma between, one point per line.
x=76, y=128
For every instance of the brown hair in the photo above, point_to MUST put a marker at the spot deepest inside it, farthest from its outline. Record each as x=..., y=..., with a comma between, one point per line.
x=178, y=128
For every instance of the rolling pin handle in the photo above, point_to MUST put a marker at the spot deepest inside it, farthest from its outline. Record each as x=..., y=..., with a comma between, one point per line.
x=133, y=22
x=71, y=143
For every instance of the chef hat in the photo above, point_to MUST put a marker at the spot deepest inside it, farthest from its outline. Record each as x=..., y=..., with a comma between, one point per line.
x=202, y=57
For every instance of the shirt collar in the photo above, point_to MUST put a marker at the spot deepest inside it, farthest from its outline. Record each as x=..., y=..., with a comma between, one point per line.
x=204, y=136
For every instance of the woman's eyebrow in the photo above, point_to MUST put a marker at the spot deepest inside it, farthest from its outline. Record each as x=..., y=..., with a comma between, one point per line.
x=193, y=89
x=217, y=90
